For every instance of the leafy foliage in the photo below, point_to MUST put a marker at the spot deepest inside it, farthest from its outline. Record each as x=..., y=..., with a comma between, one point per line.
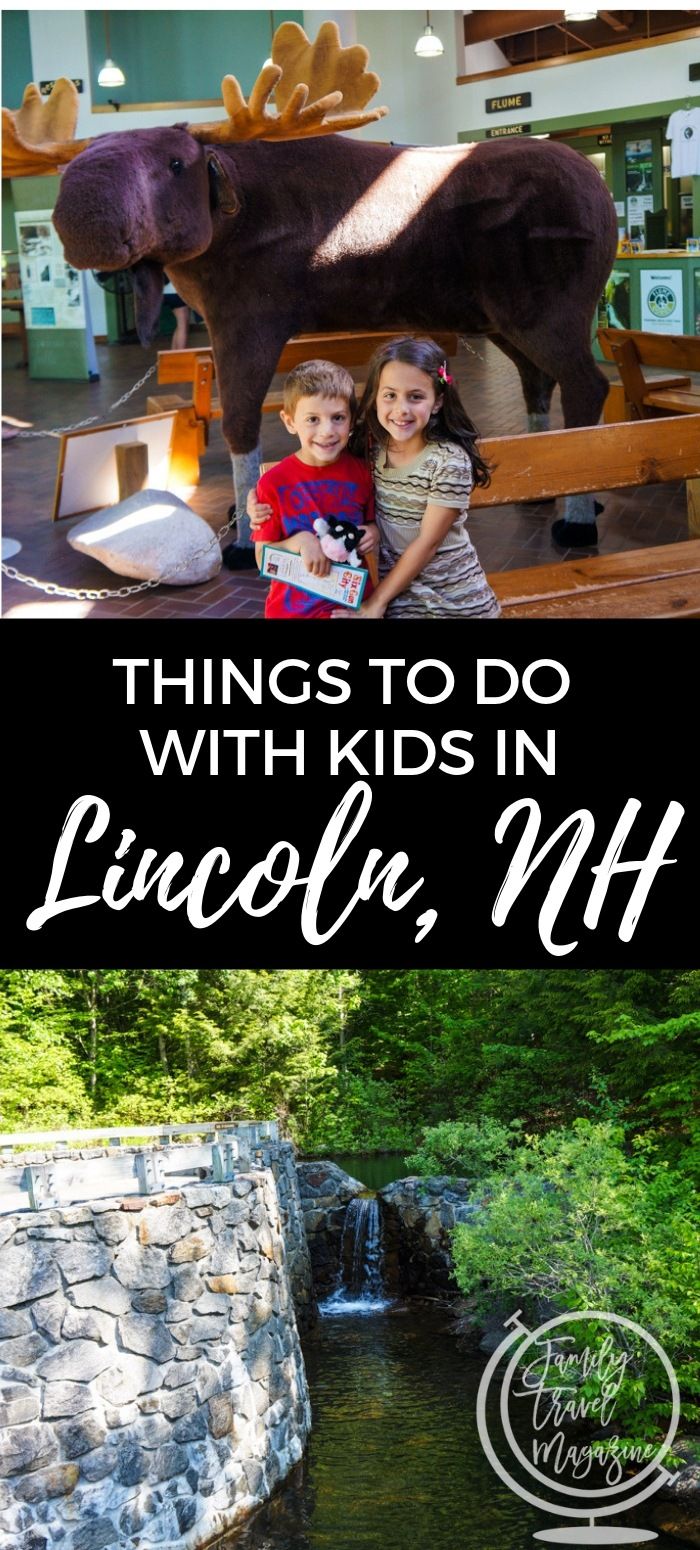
x=463, y=1148
x=581, y=1221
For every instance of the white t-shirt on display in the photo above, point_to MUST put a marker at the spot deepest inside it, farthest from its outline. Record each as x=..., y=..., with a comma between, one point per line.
x=683, y=130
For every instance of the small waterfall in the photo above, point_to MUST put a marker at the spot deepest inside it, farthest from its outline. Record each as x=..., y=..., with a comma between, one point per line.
x=361, y=1287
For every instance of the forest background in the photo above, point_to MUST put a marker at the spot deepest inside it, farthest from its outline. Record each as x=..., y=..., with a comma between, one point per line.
x=353, y=1061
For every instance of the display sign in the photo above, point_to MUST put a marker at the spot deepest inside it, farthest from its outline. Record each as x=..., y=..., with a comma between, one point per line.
x=605, y=139
x=508, y=129
x=51, y=289
x=662, y=301
x=521, y=99
x=637, y=204
x=46, y=87
x=638, y=167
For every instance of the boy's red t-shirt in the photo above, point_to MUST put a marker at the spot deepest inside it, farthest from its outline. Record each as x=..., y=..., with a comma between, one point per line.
x=298, y=494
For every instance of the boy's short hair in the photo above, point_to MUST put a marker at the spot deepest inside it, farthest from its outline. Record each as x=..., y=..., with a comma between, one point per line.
x=322, y=377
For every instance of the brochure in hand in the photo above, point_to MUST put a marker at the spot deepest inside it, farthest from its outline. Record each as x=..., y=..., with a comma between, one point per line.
x=345, y=584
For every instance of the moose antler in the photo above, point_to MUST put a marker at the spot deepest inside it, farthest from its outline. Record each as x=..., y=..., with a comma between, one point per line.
x=39, y=135
x=324, y=71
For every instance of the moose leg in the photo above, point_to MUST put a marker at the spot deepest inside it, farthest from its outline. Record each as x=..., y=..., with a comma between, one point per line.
x=246, y=472
x=537, y=385
x=245, y=369
x=583, y=393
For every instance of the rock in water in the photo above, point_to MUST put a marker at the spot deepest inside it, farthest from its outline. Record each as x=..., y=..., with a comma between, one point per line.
x=152, y=536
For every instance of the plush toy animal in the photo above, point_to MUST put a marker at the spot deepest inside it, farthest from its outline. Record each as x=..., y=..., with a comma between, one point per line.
x=510, y=238
x=339, y=539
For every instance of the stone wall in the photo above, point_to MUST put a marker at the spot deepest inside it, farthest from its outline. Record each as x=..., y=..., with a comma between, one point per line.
x=325, y=1192
x=282, y=1160
x=152, y=1381
x=419, y=1216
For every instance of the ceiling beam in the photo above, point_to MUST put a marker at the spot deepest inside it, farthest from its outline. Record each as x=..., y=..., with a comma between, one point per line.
x=488, y=26
x=613, y=21
x=568, y=33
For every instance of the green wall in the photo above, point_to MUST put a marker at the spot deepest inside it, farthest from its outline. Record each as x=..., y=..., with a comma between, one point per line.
x=16, y=57
x=180, y=56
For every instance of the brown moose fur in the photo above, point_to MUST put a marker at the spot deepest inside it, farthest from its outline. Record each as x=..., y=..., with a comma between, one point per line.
x=512, y=239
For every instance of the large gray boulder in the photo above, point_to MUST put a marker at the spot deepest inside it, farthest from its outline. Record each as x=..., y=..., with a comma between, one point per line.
x=151, y=536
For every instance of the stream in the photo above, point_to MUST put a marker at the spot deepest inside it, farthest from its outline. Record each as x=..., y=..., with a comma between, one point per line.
x=394, y=1458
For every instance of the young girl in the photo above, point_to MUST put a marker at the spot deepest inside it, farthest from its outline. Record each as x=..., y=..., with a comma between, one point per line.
x=422, y=445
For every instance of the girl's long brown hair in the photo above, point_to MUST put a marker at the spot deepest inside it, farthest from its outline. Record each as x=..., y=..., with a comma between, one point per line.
x=449, y=423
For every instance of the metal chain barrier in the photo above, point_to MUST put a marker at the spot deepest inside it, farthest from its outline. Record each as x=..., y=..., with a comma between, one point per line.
x=94, y=419
x=95, y=595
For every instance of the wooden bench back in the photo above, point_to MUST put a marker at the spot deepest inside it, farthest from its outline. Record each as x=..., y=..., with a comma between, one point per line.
x=601, y=457
x=681, y=351
x=344, y=349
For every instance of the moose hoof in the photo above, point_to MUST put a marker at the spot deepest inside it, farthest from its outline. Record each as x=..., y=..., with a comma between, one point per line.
x=235, y=557
x=572, y=535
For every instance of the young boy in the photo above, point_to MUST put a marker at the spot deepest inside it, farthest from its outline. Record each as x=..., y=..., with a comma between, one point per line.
x=320, y=480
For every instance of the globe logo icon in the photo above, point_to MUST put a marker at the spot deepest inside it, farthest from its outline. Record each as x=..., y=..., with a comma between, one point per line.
x=545, y=1367
x=661, y=301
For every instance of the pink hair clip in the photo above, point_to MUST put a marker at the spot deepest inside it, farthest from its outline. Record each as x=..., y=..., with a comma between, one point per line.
x=443, y=373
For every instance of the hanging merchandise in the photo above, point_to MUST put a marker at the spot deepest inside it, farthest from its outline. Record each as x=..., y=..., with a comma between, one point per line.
x=683, y=130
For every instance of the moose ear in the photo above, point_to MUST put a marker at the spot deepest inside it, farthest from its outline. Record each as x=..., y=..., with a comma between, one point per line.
x=222, y=193
x=147, y=280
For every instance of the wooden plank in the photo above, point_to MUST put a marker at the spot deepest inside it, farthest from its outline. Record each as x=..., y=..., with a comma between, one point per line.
x=185, y=448
x=179, y=365
x=673, y=401
x=668, y=597
x=568, y=578
x=631, y=374
x=693, y=496
x=160, y=403
x=349, y=349
x=132, y=467
x=681, y=351
x=616, y=407
x=345, y=349
x=599, y=457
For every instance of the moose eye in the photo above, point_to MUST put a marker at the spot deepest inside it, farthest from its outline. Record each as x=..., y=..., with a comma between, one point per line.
x=176, y=166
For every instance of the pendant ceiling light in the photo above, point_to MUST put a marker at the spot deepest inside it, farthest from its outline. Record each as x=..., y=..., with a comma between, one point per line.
x=110, y=74
x=428, y=45
x=579, y=13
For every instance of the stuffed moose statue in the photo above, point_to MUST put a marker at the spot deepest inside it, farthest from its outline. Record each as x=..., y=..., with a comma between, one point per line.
x=272, y=225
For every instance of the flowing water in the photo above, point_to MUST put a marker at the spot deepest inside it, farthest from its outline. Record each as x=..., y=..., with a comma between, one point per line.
x=395, y=1461
x=361, y=1288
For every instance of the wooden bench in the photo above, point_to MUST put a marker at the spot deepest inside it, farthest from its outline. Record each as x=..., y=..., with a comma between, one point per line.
x=599, y=457
x=636, y=396
x=660, y=583
x=197, y=366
